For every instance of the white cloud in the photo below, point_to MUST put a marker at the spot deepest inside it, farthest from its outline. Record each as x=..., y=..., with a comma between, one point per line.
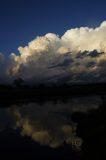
x=50, y=58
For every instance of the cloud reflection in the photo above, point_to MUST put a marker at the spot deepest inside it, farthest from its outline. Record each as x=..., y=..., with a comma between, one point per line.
x=50, y=123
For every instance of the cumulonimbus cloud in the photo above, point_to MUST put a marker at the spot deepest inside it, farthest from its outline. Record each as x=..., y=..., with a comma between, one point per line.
x=78, y=56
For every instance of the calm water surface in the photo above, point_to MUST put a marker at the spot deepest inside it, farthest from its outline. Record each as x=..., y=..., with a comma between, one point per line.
x=55, y=129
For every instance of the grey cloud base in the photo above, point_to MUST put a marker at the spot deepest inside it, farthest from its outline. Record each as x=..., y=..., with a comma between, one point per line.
x=78, y=56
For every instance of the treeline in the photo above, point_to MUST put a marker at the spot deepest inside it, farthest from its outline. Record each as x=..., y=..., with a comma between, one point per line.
x=54, y=89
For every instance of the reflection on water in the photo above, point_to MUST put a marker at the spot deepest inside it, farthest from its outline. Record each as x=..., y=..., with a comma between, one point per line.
x=53, y=123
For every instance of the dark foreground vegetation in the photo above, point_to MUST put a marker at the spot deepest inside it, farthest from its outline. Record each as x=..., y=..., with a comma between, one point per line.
x=20, y=92
x=41, y=90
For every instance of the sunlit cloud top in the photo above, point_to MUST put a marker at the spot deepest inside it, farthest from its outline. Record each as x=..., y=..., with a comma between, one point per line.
x=78, y=56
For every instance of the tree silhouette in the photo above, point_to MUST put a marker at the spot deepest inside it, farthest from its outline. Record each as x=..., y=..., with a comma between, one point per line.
x=18, y=82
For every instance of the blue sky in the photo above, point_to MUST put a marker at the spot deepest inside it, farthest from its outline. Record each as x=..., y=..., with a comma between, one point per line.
x=23, y=20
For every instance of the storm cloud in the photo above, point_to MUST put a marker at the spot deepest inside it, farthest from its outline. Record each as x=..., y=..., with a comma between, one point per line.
x=78, y=56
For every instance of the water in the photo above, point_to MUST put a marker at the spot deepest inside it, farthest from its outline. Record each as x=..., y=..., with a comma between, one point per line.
x=74, y=128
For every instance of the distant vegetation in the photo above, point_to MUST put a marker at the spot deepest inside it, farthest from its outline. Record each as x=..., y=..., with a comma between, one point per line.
x=65, y=89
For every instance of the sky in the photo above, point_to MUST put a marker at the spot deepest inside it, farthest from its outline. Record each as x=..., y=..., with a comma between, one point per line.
x=53, y=41
x=21, y=20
